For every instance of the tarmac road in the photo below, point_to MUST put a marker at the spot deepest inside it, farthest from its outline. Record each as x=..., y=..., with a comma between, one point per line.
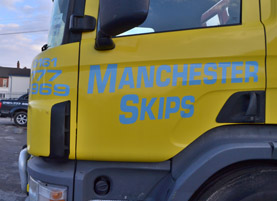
x=12, y=138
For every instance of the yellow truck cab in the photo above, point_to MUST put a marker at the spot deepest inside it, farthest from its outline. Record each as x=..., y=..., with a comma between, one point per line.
x=154, y=100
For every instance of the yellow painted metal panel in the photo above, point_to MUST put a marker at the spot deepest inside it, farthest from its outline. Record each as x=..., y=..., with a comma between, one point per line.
x=269, y=18
x=105, y=104
x=54, y=80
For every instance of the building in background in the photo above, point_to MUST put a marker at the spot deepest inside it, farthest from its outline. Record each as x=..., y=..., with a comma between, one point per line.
x=14, y=82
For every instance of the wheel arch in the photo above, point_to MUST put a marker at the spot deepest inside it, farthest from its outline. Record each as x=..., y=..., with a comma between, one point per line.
x=231, y=170
x=217, y=149
x=16, y=110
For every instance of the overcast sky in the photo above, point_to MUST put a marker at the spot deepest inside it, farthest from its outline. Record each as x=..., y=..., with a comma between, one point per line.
x=23, y=16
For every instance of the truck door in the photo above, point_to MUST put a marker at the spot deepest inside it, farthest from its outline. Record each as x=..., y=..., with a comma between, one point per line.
x=53, y=90
x=269, y=18
x=165, y=82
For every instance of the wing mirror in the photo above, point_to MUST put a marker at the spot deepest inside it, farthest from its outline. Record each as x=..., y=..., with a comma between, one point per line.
x=116, y=17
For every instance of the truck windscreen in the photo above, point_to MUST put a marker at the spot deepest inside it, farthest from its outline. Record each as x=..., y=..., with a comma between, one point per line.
x=58, y=21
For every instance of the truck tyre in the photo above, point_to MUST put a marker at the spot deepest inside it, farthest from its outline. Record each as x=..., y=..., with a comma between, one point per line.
x=20, y=119
x=249, y=183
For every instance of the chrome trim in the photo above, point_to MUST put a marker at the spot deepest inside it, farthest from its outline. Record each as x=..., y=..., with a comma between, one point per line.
x=22, y=167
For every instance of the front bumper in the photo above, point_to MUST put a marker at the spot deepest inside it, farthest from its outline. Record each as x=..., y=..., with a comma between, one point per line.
x=128, y=181
x=53, y=173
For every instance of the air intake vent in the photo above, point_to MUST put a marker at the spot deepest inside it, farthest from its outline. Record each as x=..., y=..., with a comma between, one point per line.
x=243, y=107
x=60, y=130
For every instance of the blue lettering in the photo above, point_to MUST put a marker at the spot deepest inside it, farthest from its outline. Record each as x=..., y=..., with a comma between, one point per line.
x=148, y=80
x=187, y=106
x=127, y=73
x=132, y=109
x=193, y=74
x=45, y=89
x=236, y=72
x=61, y=90
x=57, y=74
x=147, y=109
x=168, y=109
x=35, y=88
x=210, y=73
x=224, y=67
x=161, y=83
x=96, y=72
x=161, y=108
x=253, y=74
x=177, y=75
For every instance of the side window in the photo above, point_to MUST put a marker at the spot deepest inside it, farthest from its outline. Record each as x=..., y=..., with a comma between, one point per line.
x=174, y=15
x=5, y=83
x=2, y=95
x=26, y=97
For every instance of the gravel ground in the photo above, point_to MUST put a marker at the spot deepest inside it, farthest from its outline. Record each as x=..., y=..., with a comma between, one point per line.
x=12, y=138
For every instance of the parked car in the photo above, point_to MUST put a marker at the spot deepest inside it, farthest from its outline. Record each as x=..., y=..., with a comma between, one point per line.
x=16, y=109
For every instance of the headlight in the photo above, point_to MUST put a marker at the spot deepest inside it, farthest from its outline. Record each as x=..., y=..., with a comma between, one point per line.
x=39, y=191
